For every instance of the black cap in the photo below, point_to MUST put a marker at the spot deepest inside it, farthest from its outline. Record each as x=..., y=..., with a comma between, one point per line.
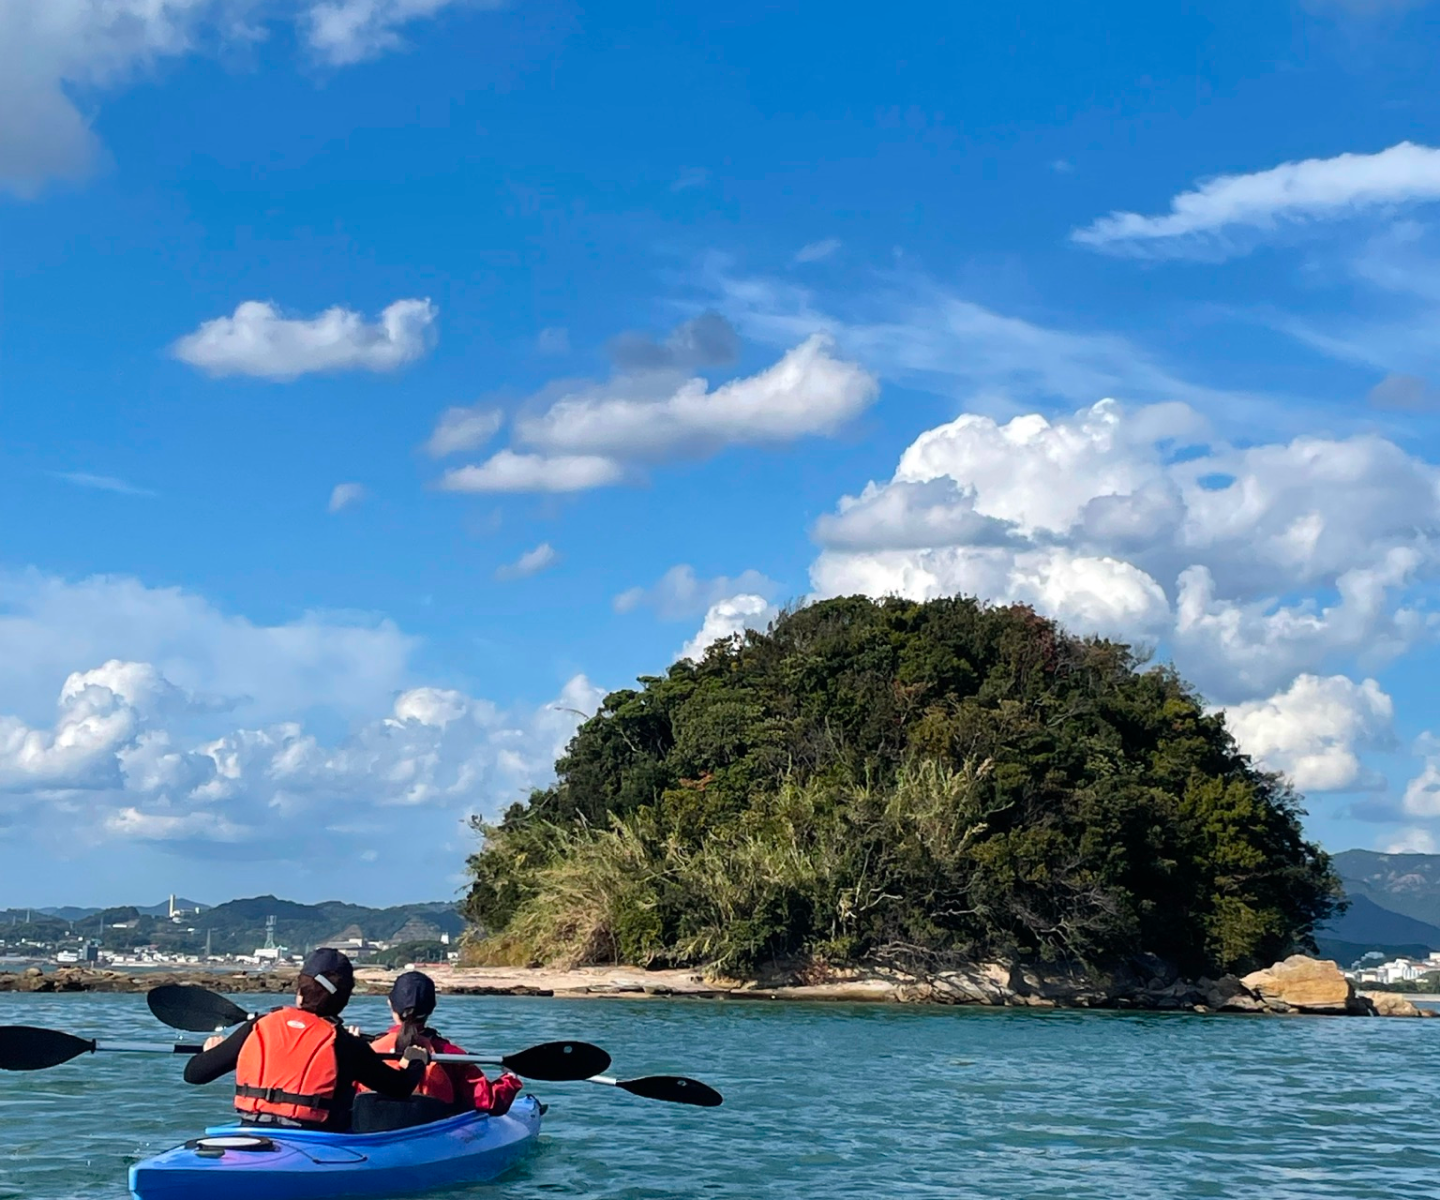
x=328, y=966
x=413, y=995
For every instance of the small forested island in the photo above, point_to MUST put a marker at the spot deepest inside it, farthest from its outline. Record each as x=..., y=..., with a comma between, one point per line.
x=921, y=787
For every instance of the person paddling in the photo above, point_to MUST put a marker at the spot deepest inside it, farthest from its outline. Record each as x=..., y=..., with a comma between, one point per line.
x=460, y=1087
x=298, y=1067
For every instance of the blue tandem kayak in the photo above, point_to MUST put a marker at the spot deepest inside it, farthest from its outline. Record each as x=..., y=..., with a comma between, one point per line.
x=235, y=1163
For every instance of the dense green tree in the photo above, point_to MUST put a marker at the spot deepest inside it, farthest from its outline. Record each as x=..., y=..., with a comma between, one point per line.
x=905, y=780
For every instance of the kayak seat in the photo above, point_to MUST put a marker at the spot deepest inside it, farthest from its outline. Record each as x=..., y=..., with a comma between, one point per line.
x=373, y=1113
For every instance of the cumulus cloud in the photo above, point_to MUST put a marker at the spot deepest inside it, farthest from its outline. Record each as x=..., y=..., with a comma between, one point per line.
x=808, y=392
x=680, y=593
x=508, y=471
x=726, y=619
x=1253, y=564
x=343, y=32
x=51, y=627
x=1412, y=840
x=532, y=562
x=1313, y=731
x=595, y=435
x=464, y=429
x=1263, y=201
x=58, y=56
x=1422, y=794
x=816, y=251
x=112, y=751
x=257, y=340
x=344, y=495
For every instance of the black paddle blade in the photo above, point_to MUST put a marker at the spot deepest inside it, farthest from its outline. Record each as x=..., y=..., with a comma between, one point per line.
x=23, y=1048
x=559, y=1062
x=182, y=1006
x=674, y=1088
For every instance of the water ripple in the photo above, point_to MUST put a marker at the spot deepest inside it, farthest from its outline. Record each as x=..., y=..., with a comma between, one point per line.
x=843, y=1101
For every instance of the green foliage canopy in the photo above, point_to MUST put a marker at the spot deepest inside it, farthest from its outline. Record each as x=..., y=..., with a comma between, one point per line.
x=904, y=781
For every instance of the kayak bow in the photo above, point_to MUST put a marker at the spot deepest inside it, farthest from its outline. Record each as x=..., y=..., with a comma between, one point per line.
x=242, y=1163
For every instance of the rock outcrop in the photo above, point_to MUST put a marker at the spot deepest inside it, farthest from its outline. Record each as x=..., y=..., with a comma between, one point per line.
x=1391, y=1004
x=1298, y=985
x=1307, y=985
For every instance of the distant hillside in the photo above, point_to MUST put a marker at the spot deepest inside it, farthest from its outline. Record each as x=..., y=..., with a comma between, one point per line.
x=237, y=926
x=1403, y=883
x=1366, y=923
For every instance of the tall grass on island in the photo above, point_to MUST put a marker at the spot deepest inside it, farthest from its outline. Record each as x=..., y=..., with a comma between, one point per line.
x=909, y=783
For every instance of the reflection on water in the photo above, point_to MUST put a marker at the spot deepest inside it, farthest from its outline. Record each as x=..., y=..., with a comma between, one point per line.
x=843, y=1101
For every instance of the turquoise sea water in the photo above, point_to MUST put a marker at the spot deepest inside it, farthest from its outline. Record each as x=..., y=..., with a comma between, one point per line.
x=842, y=1101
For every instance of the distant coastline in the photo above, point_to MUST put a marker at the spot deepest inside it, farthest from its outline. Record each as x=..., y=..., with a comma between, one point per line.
x=1299, y=986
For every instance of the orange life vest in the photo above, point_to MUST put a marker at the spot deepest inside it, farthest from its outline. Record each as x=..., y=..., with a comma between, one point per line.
x=287, y=1067
x=436, y=1082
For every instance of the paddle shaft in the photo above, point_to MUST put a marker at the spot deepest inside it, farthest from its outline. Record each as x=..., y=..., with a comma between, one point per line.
x=147, y=1048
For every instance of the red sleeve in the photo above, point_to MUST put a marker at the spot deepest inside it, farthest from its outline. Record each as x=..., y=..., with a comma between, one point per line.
x=473, y=1090
x=502, y=1094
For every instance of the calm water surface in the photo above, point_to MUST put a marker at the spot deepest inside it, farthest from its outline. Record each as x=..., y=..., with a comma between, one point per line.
x=842, y=1101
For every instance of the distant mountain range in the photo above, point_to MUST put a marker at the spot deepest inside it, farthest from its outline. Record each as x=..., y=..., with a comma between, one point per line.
x=1394, y=905
x=70, y=913
x=1394, y=908
x=238, y=926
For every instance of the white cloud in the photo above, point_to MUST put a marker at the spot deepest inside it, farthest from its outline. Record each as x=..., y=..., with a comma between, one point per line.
x=58, y=56
x=595, y=435
x=343, y=32
x=1313, y=731
x=258, y=341
x=727, y=618
x=1422, y=794
x=906, y=327
x=1412, y=840
x=808, y=392
x=507, y=471
x=52, y=627
x=102, y=483
x=1253, y=565
x=680, y=593
x=1315, y=189
x=346, y=494
x=816, y=251
x=50, y=48
x=464, y=429
x=532, y=562
x=112, y=753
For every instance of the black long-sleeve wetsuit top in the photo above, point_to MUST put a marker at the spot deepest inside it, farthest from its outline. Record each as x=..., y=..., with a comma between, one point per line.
x=355, y=1063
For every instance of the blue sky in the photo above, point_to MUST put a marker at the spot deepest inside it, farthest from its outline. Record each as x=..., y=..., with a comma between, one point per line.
x=384, y=379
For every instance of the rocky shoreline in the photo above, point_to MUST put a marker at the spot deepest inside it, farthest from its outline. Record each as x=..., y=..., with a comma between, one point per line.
x=1299, y=985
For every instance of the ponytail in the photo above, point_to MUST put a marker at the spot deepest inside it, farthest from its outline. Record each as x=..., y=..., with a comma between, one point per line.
x=412, y=1025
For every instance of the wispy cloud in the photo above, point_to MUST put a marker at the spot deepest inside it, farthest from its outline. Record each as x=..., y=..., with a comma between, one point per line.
x=343, y=32
x=532, y=562
x=345, y=495
x=102, y=483
x=815, y=251
x=464, y=429
x=1265, y=201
